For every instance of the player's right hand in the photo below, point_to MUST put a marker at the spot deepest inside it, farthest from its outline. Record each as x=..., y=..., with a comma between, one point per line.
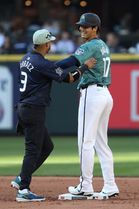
x=90, y=62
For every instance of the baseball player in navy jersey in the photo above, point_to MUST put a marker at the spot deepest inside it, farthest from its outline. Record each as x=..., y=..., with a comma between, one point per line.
x=94, y=109
x=36, y=75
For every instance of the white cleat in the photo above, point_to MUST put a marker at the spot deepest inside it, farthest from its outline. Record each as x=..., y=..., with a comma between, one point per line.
x=104, y=195
x=77, y=190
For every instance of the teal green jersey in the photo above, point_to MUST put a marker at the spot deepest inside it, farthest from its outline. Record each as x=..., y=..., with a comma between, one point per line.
x=100, y=74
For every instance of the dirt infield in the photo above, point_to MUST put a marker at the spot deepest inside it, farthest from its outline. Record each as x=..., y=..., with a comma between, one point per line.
x=51, y=187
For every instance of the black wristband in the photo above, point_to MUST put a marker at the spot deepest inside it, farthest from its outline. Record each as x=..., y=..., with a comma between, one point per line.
x=75, y=75
x=83, y=68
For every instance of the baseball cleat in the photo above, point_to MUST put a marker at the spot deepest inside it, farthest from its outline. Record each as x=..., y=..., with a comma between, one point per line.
x=77, y=190
x=26, y=195
x=16, y=182
x=104, y=195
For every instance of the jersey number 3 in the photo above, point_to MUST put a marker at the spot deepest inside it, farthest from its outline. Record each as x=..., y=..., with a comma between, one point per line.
x=23, y=81
x=106, y=61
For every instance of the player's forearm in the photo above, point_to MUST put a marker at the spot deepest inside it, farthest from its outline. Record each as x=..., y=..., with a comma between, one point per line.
x=73, y=73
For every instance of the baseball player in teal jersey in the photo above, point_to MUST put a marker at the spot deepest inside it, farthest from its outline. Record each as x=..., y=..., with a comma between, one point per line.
x=94, y=110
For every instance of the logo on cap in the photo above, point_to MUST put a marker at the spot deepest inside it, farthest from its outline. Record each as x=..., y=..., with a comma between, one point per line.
x=83, y=17
x=48, y=36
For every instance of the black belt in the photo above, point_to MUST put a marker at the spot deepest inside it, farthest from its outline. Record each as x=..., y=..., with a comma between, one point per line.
x=85, y=86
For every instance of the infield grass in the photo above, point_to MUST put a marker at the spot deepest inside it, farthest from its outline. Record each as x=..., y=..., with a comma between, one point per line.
x=64, y=159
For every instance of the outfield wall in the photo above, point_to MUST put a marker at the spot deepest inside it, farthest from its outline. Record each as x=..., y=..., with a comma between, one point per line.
x=62, y=114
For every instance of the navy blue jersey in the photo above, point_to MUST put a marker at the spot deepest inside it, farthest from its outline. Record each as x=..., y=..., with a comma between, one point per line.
x=36, y=75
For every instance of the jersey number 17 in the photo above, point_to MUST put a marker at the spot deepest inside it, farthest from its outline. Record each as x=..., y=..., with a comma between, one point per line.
x=107, y=62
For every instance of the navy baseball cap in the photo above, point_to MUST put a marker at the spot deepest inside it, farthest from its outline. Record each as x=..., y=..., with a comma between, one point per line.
x=89, y=20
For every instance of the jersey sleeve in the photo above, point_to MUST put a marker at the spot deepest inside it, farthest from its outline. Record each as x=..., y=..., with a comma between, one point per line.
x=53, y=71
x=68, y=62
x=83, y=53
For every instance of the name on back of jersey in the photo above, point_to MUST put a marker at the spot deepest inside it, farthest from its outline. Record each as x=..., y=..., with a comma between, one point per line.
x=26, y=64
x=104, y=50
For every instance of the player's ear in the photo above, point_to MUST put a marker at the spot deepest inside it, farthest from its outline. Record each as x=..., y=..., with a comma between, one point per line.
x=48, y=43
x=95, y=28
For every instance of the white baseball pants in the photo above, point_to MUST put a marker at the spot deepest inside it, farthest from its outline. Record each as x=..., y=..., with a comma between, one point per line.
x=94, y=110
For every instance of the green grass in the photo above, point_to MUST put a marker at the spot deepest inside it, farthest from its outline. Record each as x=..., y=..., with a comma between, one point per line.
x=64, y=159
